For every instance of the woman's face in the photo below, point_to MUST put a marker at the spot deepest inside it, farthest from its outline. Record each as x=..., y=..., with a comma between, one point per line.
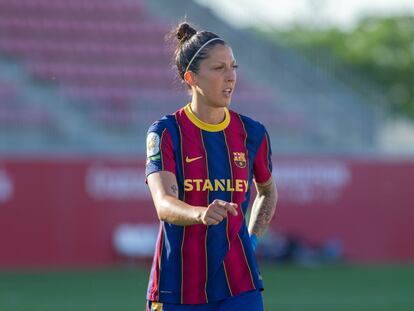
x=216, y=79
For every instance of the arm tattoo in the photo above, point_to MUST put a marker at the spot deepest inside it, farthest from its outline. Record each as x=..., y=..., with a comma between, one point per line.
x=174, y=189
x=263, y=209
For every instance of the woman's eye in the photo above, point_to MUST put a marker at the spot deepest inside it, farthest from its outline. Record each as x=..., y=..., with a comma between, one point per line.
x=222, y=67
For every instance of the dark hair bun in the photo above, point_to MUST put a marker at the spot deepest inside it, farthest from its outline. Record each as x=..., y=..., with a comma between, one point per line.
x=184, y=32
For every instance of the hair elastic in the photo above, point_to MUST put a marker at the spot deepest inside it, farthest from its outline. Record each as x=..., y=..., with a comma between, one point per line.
x=199, y=50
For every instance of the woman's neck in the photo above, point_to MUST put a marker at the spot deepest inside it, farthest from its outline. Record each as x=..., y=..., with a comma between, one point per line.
x=206, y=113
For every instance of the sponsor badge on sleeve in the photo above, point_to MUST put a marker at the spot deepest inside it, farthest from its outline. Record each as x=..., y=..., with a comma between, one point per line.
x=153, y=144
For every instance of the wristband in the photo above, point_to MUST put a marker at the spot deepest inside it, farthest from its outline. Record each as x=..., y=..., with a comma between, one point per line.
x=254, y=241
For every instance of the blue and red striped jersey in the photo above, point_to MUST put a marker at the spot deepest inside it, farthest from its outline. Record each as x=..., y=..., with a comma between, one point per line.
x=199, y=264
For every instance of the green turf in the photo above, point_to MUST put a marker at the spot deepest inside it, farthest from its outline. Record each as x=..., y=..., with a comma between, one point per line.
x=339, y=288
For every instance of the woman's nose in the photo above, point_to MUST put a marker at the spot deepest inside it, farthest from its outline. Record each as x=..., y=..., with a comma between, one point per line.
x=230, y=75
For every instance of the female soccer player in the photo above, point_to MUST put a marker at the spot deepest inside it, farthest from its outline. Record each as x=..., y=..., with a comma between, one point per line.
x=201, y=163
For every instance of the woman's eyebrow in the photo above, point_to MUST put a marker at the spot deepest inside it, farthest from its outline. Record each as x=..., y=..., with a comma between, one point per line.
x=223, y=62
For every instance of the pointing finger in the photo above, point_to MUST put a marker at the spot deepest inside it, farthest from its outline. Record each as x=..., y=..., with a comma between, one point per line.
x=232, y=208
x=220, y=203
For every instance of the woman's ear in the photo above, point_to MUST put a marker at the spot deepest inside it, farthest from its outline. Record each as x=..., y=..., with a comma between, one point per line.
x=189, y=77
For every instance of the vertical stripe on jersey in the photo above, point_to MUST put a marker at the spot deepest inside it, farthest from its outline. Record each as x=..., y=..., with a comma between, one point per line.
x=183, y=198
x=217, y=242
x=262, y=163
x=180, y=161
x=238, y=270
x=167, y=153
x=227, y=221
x=161, y=150
x=156, y=267
x=269, y=154
x=194, y=260
x=249, y=159
x=208, y=202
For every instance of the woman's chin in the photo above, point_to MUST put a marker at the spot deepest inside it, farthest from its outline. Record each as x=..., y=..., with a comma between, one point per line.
x=225, y=102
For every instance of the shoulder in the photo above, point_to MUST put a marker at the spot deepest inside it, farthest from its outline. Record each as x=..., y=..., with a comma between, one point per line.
x=252, y=126
x=157, y=134
x=163, y=131
x=165, y=123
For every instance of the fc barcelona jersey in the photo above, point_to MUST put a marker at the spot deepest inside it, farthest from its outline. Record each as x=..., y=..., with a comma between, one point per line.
x=198, y=264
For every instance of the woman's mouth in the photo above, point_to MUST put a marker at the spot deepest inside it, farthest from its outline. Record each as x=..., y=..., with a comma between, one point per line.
x=227, y=92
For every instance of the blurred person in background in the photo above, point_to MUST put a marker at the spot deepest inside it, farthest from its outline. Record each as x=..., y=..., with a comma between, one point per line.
x=201, y=163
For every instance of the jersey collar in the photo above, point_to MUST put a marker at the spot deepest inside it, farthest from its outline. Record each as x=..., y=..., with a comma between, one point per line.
x=207, y=126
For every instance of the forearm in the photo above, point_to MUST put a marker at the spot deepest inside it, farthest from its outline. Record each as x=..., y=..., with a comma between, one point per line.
x=164, y=192
x=263, y=209
x=177, y=212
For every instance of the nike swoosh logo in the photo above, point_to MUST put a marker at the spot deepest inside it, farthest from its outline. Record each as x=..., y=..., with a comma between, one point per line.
x=189, y=160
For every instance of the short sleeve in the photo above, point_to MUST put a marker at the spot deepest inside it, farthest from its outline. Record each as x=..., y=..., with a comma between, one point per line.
x=262, y=167
x=160, y=151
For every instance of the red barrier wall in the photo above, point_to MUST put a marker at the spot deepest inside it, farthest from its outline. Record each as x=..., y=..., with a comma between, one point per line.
x=368, y=205
x=56, y=212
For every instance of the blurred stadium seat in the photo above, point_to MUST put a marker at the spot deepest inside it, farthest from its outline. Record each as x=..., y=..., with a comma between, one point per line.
x=16, y=114
x=107, y=69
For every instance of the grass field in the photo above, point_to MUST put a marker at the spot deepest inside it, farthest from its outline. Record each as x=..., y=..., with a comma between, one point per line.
x=338, y=288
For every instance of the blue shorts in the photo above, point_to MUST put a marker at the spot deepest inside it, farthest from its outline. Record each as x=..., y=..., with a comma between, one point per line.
x=251, y=301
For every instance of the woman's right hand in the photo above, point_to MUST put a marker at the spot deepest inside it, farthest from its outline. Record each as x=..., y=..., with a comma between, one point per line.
x=164, y=191
x=217, y=211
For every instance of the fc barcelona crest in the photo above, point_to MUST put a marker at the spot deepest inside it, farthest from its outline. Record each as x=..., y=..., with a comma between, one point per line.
x=239, y=159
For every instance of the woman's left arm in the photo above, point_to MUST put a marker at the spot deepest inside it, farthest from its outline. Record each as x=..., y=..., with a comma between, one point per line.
x=264, y=207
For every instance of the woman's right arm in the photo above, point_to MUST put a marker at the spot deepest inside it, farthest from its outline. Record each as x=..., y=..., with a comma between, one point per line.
x=164, y=192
